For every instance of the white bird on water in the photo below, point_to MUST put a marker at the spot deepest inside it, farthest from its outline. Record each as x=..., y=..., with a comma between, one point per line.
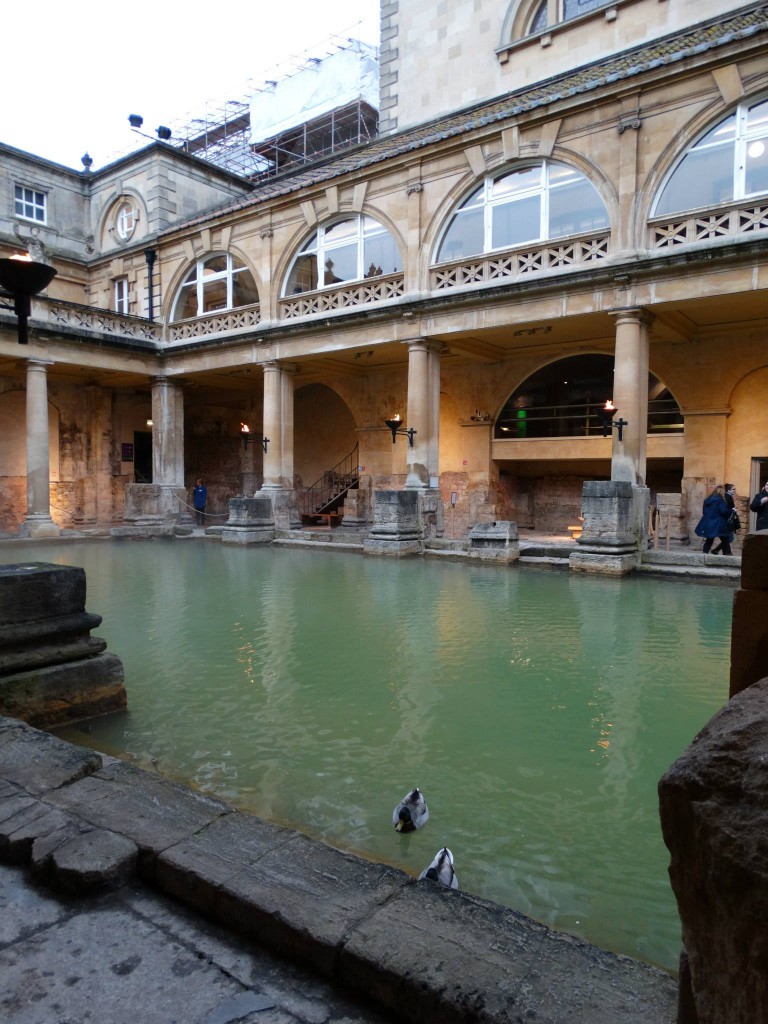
x=441, y=869
x=411, y=813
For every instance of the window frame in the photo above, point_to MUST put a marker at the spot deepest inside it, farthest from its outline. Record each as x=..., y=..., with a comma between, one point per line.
x=742, y=138
x=22, y=201
x=487, y=202
x=196, y=276
x=121, y=296
x=366, y=229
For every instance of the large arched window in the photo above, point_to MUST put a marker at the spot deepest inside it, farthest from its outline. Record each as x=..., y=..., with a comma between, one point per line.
x=347, y=250
x=548, y=200
x=563, y=399
x=728, y=163
x=215, y=282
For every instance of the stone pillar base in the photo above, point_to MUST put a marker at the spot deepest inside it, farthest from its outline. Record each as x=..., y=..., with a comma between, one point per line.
x=603, y=563
x=38, y=526
x=615, y=513
x=396, y=529
x=285, y=512
x=150, y=504
x=494, y=542
x=251, y=521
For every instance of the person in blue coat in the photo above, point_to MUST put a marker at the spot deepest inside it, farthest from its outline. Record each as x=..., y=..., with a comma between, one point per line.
x=199, y=501
x=714, y=521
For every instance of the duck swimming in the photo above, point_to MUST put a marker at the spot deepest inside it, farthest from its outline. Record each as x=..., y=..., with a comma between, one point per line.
x=411, y=813
x=441, y=869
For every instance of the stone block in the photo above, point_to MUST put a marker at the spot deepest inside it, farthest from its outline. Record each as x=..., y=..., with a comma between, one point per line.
x=603, y=563
x=251, y=521
x=70, y=692
x=303, y=899
x=38, y=762
x=152, y=812
x=754, y=562
x=23, y=820
x=397, y=527
x=612, y=513
x=92, y=861
x=437, y=956
x=40, y=590
x=749, y=639
x=495, y=542
x=714, y=818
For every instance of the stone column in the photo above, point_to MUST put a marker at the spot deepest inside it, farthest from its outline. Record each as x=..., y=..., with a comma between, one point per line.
x=167, y=432
x=630, y=395
x=278, y=458
x=38, y=522
x=423, y=414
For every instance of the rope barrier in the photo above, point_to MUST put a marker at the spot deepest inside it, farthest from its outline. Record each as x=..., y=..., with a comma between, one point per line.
x=212, y=515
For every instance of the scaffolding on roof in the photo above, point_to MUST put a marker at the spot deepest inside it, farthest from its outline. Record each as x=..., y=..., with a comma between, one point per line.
x=223, y=135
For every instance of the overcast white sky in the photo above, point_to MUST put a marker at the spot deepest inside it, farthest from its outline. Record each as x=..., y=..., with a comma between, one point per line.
x=69, y=82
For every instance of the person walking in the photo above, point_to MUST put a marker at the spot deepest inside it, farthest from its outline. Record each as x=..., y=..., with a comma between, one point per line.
x=759, y=504
x=714, y=521
x=733, y=518
x=199, y=501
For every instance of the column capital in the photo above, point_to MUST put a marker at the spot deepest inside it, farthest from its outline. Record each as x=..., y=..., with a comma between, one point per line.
x=632, y=314
x=424, y=344
x=36, y=364
x=274, y=365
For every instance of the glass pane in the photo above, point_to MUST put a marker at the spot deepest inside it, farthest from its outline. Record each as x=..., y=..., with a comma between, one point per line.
x=573, y=8
x=338, y=232
x=465, y=236
x=340, y=265
x=574, y=209
x=311, y=245
x=186, y=304
x=244, y=289
x=515, y=223
x=191, y=276
x=303, y=276
x=214, y=265
x=756, y=175
x=704, y=178
x=539, y=21
x=518, y=181
x=214, y=296
x=559, y=173
x=476, y=197
x=381, y=256
x=723, y=132
x=757, y=116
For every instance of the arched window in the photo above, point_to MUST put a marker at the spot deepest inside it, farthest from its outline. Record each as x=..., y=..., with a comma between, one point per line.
x=215, y=282
x=728, y=163
x=540, y=18
x=548, y=200
x=563, y=398
x=347, y=250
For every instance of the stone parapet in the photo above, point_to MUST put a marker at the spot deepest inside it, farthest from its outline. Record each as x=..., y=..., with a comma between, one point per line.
x=419, y=950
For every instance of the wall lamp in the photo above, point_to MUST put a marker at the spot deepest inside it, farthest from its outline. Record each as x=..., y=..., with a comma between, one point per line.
x=22, y=278
x=606, y=413
x=396, y=426
x=248, y=438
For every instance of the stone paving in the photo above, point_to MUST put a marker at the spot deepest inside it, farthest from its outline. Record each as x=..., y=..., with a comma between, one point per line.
x=135, y=957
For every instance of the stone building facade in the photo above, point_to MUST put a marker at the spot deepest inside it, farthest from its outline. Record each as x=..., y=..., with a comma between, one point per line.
x=566, y=203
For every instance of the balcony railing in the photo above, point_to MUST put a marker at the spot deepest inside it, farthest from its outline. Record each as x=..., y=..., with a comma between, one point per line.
x=742, y=219
x=85, y=318
x=221, y=322
x=516, y=263
x=664, y=416
x=358, y=293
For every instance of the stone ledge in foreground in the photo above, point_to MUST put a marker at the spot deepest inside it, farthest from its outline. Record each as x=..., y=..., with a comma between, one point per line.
x=426, y=953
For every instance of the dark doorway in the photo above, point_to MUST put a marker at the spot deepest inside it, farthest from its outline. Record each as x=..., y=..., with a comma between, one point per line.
x=142, y=457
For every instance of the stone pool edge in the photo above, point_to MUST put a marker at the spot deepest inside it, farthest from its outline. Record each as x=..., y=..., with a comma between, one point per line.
x=80, y=821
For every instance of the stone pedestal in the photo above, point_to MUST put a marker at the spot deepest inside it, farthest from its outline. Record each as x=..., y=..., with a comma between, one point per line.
x=251, y=521
x=396, y=529
x=749, y=632
x=615, y=513
x=285, y=511
x=494, y=542
x=52, y=671
x=357, y=507
x=153, y=510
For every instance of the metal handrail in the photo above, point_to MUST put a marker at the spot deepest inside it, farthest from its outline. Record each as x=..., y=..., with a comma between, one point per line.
x=331, y=486
x=586, y=414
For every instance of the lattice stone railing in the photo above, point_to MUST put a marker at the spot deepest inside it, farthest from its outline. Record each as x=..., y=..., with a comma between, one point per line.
x=344, y=297
x=519, y=262
x=102, y=321
x=215, y=323
x=703, y=227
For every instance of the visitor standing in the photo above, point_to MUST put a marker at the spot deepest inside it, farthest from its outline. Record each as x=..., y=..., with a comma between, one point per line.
x=199, y=500
x=759, y=504
x=714, y=521
x=733, y=516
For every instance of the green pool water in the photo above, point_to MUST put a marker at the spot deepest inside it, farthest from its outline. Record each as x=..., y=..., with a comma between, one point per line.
x=536, y=709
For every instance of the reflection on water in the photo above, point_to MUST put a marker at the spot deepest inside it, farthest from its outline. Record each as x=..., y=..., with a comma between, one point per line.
x=537, y=710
